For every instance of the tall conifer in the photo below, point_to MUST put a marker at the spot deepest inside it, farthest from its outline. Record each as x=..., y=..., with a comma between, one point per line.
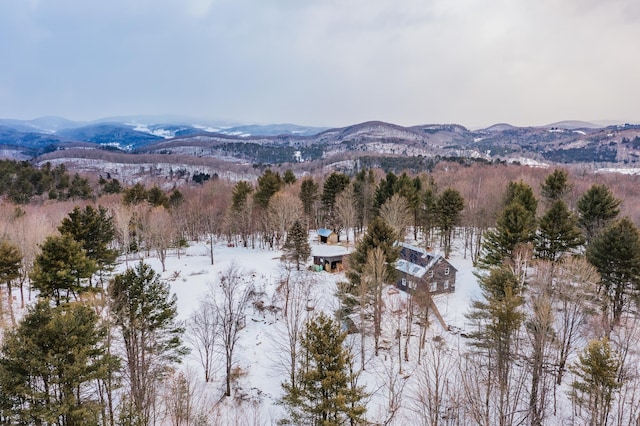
x=616, y=255
x=597, y=208
x=558, y=232
x=326, y=393
x=596, y=380
x=296, y=247
x=49, y=366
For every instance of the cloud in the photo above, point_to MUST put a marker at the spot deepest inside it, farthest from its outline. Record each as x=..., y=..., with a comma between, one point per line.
x=324, y=62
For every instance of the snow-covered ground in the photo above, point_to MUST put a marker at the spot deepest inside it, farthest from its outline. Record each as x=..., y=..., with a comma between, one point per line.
x=389, y=378
x=259, y=354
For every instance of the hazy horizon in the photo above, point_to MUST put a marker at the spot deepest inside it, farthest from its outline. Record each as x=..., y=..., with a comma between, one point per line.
x=325, y=64
x=186, y=120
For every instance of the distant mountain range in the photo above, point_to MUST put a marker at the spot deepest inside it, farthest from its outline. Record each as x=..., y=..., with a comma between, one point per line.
x=375, y=143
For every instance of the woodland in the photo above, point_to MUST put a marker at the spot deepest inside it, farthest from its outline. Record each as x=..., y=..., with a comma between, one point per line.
x=90, y=332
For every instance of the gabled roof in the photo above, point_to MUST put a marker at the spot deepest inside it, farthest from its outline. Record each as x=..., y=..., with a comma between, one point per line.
x=410, y=268
x=417, y=255
x=324, y=232
x=416, y=261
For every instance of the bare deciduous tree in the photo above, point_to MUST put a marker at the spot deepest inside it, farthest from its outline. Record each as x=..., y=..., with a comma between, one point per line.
x=122, y=221
x=375, y=276
x=295, y=290
x=184, y=400
x=476, y=389
x=393, y=385
x=28, y=232
x=435, y=399
x=346, y=211
x=235, y=292
x=624, y=339
x=576, y=299
x=202, y=330
x=397, y=214
x=283, y=210
x=215, y=214
x=539, y=327
x=159, y=232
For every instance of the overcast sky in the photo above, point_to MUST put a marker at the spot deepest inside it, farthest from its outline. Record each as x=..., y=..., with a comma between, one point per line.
x=323, y=62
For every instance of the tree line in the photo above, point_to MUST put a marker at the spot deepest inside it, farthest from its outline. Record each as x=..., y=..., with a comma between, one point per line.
x=555, y=269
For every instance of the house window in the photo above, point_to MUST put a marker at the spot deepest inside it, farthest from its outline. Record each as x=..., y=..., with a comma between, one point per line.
x=446, y=270
x=431, y=273
x=412, y=285
x=446, y=284
x=403, y=282
x=434, y=287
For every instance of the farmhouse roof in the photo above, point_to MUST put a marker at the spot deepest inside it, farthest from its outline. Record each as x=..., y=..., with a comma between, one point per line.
x=415, y=261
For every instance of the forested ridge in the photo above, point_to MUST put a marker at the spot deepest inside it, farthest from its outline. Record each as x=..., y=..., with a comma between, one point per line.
x=91, y=335
x=21, y=182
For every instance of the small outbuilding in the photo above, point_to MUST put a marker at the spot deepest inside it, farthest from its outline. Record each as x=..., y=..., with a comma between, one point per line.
x=330, y=263
x=328, y=236
x=329, y=258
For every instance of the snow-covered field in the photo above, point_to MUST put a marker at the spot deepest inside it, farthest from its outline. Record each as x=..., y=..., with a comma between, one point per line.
x=395, y=381
x=259, y=354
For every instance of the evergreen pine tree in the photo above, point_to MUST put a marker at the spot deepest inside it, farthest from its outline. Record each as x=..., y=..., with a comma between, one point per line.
x=268, y=184
x=498, y=319
x=239, y=215
x=385, y=190
x=449, y=206
x=145, y=313
x=515, y=226
x=379, y=234
x=240, y=195
x=428, y=213
x=135, y=195
x=176, y=199
x=94, y=230
x=597, y=208
x=520, y=192
x=616, y=255
x=596, y=381
x=326, y=393
x=289, y=178
x=60, y=268
x=296, y=247
x=555, y=185
x=558, y=233
x=10, y=262
x=364, y=186
x=50, y=364
x=80, y=188
x=111, y=186
x=308, y=195
x=335, y=184
x=156, y=196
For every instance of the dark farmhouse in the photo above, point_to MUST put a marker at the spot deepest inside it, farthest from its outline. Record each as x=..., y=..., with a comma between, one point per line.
x=418, y=267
